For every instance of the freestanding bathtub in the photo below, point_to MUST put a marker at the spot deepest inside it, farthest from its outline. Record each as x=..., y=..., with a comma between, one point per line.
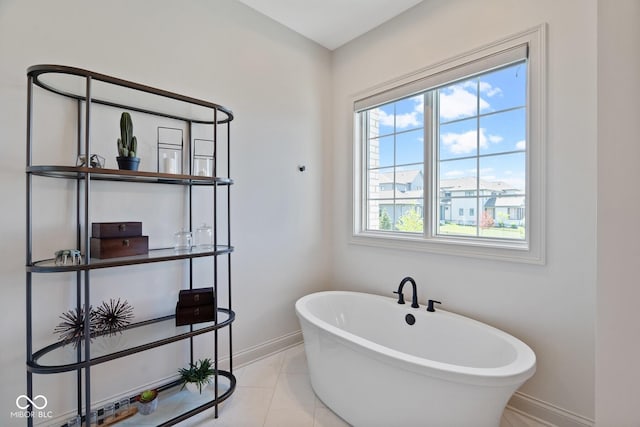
x=373, y=369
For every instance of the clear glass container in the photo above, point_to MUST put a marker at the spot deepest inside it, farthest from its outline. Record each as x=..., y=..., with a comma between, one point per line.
x=109, y=411
x=204, y=237
x=123, y=406
x=75, y=421
x=203, y=166
x=183, y=240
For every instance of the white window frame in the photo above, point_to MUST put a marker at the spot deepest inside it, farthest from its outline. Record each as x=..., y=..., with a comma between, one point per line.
x=532, y=248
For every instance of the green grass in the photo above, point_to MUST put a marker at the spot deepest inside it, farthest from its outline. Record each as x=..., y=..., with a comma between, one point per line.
x=469, y=230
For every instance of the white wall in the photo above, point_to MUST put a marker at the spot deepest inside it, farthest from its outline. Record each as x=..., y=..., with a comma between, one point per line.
x=278, y=85
x=618, y=322
x=550, y=307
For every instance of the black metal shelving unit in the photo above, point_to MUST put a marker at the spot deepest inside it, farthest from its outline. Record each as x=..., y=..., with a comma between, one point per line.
x=88, y=88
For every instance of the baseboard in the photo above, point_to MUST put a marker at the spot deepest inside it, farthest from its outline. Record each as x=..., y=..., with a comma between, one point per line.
x=546, y=412
x=265, y=349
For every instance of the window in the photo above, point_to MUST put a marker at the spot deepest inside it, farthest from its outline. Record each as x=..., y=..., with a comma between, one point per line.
x=465, y=136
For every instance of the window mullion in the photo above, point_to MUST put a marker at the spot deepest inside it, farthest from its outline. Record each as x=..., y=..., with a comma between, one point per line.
x=365, y=159
x=395, y=162
x=430, y=193
x=477, y=154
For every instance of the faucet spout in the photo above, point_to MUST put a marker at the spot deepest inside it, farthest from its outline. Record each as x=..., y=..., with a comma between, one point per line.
x=414, y=298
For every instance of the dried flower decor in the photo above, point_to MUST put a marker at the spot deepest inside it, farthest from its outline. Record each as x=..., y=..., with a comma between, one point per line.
x=113, y=317
x=71, y=330
x=108, y=319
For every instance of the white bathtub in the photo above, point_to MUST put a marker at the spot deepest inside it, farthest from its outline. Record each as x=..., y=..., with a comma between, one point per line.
x=374, y=369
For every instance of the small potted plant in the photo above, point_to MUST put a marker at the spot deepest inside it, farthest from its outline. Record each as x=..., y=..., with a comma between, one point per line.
x=197, y=376
x=148, y=401
x=127, y=145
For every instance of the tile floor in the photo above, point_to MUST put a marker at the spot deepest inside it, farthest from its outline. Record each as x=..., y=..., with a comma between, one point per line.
x=276, y=392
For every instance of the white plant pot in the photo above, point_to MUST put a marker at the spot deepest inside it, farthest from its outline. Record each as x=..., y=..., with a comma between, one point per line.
x=193, y=387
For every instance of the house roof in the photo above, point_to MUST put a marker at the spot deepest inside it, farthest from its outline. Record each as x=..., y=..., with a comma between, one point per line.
x=469, y=183
x=510, y=202
x=389, y=194
x=402, y=177
x=453, y=184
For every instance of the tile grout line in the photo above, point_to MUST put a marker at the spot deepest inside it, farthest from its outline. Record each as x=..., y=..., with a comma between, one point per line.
x=273, y=389
x=315, y=404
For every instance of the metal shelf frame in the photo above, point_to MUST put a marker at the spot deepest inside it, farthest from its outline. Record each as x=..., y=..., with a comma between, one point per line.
x=88, y=88
x=201, y=329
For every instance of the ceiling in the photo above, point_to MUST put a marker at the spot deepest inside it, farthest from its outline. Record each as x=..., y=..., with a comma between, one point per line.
x=331, y=23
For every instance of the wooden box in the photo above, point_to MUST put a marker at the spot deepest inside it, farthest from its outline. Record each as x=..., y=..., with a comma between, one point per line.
x=119, y=247
x=101, y=230
x=194, y=297
x=194, y=314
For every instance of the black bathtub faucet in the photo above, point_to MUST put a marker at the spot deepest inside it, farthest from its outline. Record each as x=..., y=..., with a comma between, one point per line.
x=414, y=298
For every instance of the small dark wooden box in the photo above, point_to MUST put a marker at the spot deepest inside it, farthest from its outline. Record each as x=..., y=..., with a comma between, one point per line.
x=194, y=314
x=194, y=297
x=102, y=230
x=119, y=247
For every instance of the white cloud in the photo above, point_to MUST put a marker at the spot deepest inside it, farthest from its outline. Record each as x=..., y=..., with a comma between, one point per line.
x=460, y=100
x=469, y=84
x=485, y=88
x=419, y=100
x=521, y=145
x=405, y=120
x=401, y=120
x=466, y=142
x=460, y=143
x=456, y=102
x=489, y=90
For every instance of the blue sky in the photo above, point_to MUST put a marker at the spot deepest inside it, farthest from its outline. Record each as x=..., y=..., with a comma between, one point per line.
x=501, y=127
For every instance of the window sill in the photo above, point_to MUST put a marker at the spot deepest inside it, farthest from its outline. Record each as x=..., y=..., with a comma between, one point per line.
x=498, y=250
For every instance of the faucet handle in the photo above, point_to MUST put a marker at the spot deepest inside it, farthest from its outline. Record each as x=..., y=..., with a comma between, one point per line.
x=430, y=305
x=400, y=297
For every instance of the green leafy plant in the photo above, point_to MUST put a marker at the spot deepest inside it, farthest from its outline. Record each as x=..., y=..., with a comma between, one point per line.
x=197, y=373
x=127, y=143
x=148, y=396
x=385, y=221
x=411, y=222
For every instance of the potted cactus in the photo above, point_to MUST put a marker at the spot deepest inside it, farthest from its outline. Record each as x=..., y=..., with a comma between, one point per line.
x=127, y=145
x=147, y=401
